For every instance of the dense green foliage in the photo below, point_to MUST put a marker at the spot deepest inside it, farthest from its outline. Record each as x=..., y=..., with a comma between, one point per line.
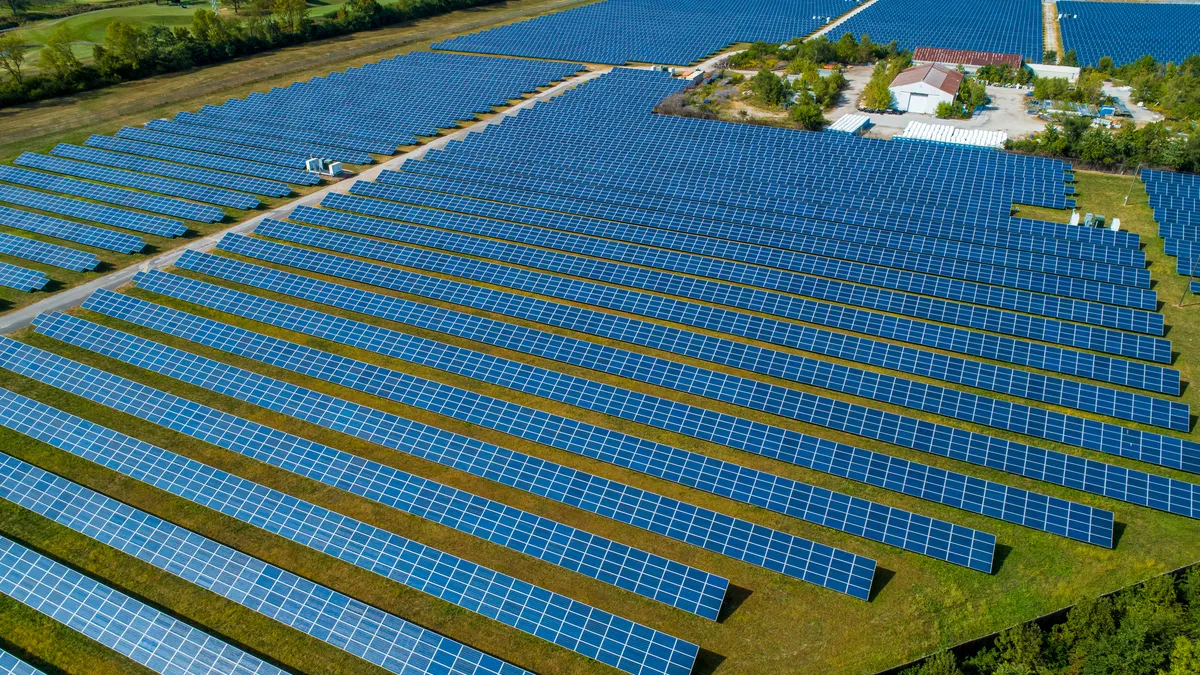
x=1153, y=629
x=130, y=53
x=1003, y=74
x=971, y=95
x=876, y=95
x=798, y=55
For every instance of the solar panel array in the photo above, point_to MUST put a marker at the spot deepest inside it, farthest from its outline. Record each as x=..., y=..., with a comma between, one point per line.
x=1009, y=26
x=161, y=643
x=937, y=539
x=1001, y=501
x=142, y=165
x=50, y=254
x=21, y=278
x=574, y=625
x=1127, y=31
x=109, y=195
x=650, y=31
x=67, y=230
x=367, y=632
x=784, y=553
x=1175, y=198
x=108, y=215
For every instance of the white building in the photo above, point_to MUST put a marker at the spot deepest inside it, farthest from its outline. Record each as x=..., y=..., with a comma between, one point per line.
x=921, y=88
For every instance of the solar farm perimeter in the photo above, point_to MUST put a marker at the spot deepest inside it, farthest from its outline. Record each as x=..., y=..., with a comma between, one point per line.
x=590, y=390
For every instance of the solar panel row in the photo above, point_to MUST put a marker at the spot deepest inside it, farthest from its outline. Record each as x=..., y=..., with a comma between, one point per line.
x=206, y=160
x=951, y=488
x=129, y=220
x=284, y=159
x=811, y=339
x=592, y=632
x=1175, y=198
x=1011, y=27
x=1092, y=434
x=110, y=195
x=220, y=179
x=802, y=559
x=11, y=665
x=154, y=639
x=257, y=141
x=276, y=130
x=762, y=220
x=49, y=254
x=21, y=278
x=89, y=235
x=938, y=539
x=1127, y=31
x=200, y=193
x=1055, y=467
x=801, y=256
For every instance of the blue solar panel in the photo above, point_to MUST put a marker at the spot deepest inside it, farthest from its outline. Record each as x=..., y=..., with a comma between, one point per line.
x=11, y=665
x=634, y=570
x=1004, y=502
x=200, y=193
x=70, y=231
x=220, y=179
x=906, y=431
x=261, y=141
x=111, y=195
x=21, y=278
x=1127, y=31
x=1005, y=380
x=49, y=254
x=1009, y=27
x=576, y=626
x=1092, y=434
x=276, y=130
x=206, y=160
x=129, y=220
x=285, y=159
x=660, y=31
x=802, y=559
x=154, y=639
x=938, y=539
x=375, y=636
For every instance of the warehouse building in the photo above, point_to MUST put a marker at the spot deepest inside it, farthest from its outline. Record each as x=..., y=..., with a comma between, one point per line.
x=921, y=88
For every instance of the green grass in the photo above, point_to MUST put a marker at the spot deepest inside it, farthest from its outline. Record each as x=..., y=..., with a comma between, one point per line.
x=780, y=626
x=88, y=28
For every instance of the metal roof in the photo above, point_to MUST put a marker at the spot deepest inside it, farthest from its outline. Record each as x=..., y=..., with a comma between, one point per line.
x=932, y=74
x=966, y=57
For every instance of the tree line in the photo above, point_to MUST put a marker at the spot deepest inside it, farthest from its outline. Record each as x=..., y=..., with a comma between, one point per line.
x=1153, y=629
x=129, y=52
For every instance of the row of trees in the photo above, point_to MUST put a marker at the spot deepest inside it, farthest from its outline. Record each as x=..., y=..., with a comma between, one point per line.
x=797, y=55
x=129, y=52
x=806, y=98
x=1160, y=144
x=1152, y=630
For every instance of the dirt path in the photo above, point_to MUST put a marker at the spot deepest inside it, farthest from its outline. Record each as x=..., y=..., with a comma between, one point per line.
x=40, y=125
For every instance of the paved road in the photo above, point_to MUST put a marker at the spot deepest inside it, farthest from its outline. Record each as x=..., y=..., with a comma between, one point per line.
x=75, y=296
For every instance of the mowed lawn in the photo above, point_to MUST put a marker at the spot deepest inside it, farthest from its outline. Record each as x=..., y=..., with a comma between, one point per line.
x=774, y=625
x=88, y=28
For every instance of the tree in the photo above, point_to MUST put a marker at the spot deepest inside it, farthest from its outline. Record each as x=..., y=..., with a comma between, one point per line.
x=945, y=110
x=806, y=113
x=292, y=15
x=18, y=7
x=235, y=5
x=57, y=56
x=12, y=55
x=876, y=95
x=1185, y=658
x=942, y=663
x=1070, y=58
x=769, y=88
x=1105, y=64
x=1050, y=56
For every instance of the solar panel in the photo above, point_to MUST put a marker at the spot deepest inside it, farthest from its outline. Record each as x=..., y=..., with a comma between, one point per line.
x=70, y=231
x=21, y=278
x=1127, y=31
x=1005, y=380
x=800, y=558
x=1007, y=27
x=110, y=195
x=206, y=160
x=49, y=254
x=246, y=184
x=650, y=575
x=129, y=220
x=373, y=635
x=610, y=639
x=199, y=193
x=1002, y=501
x=901, y=430
x=256, y=140
x=11, y=665
x=154, y=639
x=938, y=539
x=1010, y=416
x=285, y=159
x=274, y=130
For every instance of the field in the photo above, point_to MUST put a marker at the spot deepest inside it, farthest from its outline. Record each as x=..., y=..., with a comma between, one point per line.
x=776, y=625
